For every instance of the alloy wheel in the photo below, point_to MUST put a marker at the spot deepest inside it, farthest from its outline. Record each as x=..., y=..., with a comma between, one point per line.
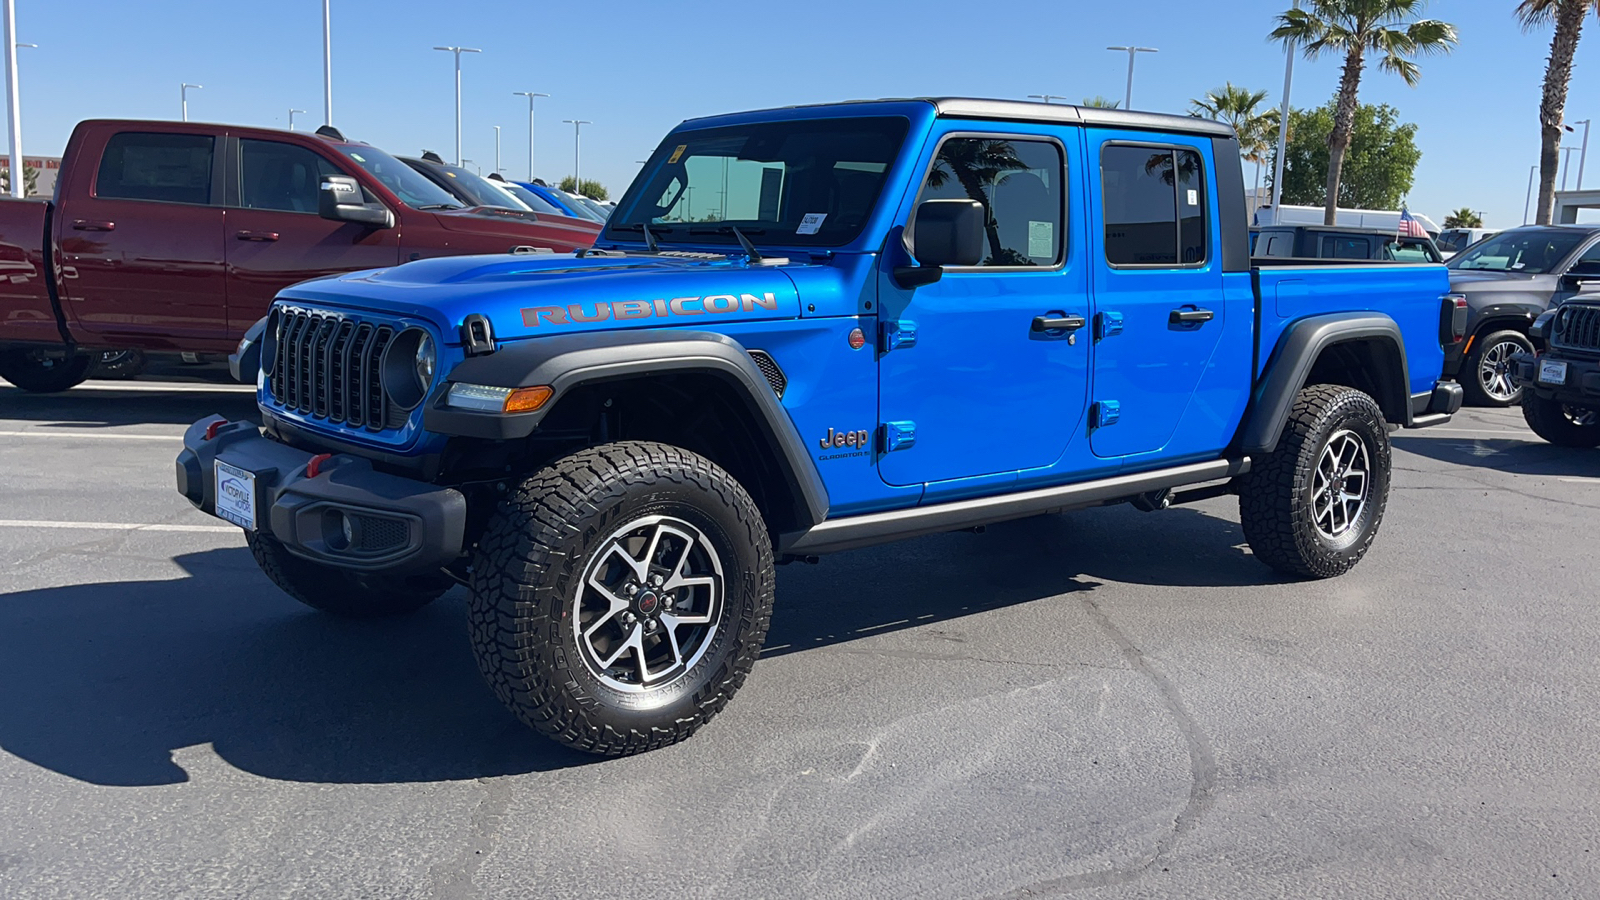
x=1340, y=484
x=1494, y=371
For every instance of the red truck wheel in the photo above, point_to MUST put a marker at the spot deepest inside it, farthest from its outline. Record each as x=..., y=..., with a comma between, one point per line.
x=34, y=370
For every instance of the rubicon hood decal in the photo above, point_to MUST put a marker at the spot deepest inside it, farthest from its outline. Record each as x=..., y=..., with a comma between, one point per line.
x=660, y=307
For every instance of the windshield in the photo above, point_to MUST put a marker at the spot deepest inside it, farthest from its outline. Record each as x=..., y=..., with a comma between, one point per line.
x=604, y=212
x=1532, y=252
x=579, y=208
x=483, y=191
x=807, y=182
x=413, y=190
x=533, y=201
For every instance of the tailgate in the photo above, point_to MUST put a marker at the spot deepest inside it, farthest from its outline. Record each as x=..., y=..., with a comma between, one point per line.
x=26, y=313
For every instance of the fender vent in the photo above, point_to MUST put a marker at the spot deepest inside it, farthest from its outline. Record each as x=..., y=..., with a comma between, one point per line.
x=769, y=369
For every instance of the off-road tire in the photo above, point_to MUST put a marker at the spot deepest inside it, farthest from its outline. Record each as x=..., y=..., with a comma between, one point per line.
x=1276, y=505
x=339, y=592
x=1470, y=375
x=1549, y=419
x=34, y=372
x=119, y=364
x=528, y=575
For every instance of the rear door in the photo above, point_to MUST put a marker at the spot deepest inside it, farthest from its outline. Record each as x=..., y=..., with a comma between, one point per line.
x=140, y=238
x=274, y=236
x=1158, y=287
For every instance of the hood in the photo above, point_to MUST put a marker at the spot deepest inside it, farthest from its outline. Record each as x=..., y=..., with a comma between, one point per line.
x=493, y=220
x=537, y=294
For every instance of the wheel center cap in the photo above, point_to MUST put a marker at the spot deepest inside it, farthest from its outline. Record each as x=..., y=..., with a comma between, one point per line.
x=647, y=602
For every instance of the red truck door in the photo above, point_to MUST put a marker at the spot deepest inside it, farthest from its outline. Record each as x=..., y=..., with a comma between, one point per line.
x=140, y=237
x=274, y=236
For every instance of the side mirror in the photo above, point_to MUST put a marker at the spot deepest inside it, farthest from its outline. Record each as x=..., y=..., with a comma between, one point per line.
x=339, y=198
x=943, y=233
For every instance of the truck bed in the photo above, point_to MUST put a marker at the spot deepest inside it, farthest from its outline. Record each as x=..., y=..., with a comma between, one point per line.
x=26, y=313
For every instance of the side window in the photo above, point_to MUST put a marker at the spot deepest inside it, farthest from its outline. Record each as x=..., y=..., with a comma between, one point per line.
x=172, y=168
x=1408, y=252
x=1342, y=247
x=1019, y=183
x=275, y=175
x=1588, y=262
x=1154, y=206
x=1277, y=245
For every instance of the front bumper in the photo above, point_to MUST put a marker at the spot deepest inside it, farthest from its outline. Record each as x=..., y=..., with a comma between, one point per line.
x=348, y=515
x=1580, y=388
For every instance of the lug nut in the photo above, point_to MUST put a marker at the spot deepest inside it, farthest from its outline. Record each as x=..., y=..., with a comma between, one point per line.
x=649, y=624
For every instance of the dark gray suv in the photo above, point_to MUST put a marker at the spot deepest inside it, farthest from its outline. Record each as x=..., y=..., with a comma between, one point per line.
x=1508, y=280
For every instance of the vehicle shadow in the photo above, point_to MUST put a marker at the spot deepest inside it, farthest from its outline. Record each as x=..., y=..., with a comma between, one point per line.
x=109, y=683
x=1528, y=456
x=103, y=408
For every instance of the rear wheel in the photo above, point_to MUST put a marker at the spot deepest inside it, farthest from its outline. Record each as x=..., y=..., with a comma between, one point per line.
x=1313, y=505
x=42, y=373
x=341, y=592
x=120, y=364
x=1560, y=424
x=1486, y=372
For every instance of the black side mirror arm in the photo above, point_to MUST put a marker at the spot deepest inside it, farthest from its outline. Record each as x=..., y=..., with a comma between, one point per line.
x=912, y=277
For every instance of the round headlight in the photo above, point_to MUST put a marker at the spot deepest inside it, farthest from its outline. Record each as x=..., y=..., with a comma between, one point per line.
x=427, y=358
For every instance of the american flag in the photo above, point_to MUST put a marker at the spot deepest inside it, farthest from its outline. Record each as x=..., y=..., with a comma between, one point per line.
x=1410, y=227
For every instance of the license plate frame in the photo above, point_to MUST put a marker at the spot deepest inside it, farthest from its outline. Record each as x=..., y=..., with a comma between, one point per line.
x=1552, y=371
x=236, y=495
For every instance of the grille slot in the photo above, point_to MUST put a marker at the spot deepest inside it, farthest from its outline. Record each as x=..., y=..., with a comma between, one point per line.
x=1577, y=328
x=769, y=369
x=329, y=367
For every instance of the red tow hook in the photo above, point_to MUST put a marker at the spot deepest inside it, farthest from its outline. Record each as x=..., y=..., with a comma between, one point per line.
x=211, y=430
x=315, y=465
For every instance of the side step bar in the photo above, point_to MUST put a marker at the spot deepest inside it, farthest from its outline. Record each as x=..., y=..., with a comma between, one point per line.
x=880, y=528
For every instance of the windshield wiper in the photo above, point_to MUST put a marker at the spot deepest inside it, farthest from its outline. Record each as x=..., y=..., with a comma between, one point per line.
x=649, y=232
x=443, y=206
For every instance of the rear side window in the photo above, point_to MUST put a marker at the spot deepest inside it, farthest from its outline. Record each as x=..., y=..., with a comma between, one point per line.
x=1343, y=247
x=1408, y=252
x=275, y=175
x=171, y=168
x=1154, y=206
x=1277, y=245
x=1019, y=183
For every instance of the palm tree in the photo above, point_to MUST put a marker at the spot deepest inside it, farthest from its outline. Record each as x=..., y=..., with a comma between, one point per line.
x=1100, y=102
x=1463, y=218
x=1241, y=108
x=1568, y=16
x=1350, y=28
x=974, y=164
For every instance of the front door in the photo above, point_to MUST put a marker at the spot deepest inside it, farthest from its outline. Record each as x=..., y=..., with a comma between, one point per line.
x=1158, y=293
x=275, y=237
x=141, y=249
x=968, y=385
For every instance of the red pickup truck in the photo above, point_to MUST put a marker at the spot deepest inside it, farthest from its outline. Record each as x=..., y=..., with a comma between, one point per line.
x=175, y=237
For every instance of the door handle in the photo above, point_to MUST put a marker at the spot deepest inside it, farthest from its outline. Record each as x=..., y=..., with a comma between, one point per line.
x=86, y=225
x=1058, y=323
x=1190, y=316
x=257, y=235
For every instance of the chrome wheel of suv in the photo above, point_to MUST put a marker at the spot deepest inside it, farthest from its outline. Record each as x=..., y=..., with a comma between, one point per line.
x=649, y=604
x=1494, y=371
x=1339, y=486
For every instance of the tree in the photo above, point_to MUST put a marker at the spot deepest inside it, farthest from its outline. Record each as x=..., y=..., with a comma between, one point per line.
x=30, y=180
x=1100, y=102
x=1351, y=28
x=594, y=190
x=1568, y=18
x=1379, y=168
x=975, y=163
x=1241, y=108
x=1463, y=218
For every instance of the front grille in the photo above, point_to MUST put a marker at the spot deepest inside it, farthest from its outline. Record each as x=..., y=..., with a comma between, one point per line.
x=330, y=366
x=1577, y=328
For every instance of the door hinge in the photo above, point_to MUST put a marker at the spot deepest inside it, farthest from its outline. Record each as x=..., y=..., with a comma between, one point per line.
x=1107, y=324
x=898, y=436
x=896, y=335
x=1104, y=412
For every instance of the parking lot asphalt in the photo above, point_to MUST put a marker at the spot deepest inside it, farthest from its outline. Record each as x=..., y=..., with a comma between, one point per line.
x=1103, y=703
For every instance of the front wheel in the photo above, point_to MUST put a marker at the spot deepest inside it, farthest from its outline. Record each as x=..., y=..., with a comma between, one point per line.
x=42, y=373
x=621, y=595
x=1312, y=506
x=1486, y=372
x=1560, y=424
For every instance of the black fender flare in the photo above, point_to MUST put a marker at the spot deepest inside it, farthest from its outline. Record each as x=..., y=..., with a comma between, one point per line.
x=1296, y=353
x=564, y=362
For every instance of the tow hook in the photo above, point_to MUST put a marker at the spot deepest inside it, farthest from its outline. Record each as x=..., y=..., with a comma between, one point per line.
x=1152, y=501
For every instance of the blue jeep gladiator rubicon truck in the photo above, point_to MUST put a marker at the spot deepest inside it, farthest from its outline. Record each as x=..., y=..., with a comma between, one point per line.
x=807, y=330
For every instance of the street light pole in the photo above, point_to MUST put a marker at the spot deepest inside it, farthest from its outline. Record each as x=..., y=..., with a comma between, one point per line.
x=1127, y=99
x=1528, y=203
x=327, y=66
x=13, y=99
x=1583, y=152
x=531, y=95
x=458, y=51
x=497, y=149
x=1047, y=98
x=1283, y=125
x=183, y=93
x=577, y=148
x=291, y=117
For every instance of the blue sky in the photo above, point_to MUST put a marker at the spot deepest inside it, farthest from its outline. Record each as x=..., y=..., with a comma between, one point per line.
x=636, y=69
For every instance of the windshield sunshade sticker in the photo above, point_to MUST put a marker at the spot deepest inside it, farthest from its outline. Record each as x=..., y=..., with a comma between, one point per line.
x=811, y=223
x=624, y=310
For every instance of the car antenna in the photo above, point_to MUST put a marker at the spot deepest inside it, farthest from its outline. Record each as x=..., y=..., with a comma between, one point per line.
x=430, y=156
x=650, y=238
x=749, y=248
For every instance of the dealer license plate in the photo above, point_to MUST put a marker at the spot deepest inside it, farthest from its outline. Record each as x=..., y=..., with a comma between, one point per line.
x=1552, y=371
x=236, y=495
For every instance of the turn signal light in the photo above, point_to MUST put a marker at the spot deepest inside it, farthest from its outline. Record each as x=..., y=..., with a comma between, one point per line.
x=528, y=399
x=494, y=399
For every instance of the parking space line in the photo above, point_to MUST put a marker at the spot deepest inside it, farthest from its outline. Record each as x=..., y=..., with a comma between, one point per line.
x=118, y=526
x=145, y=387
x=94, y=435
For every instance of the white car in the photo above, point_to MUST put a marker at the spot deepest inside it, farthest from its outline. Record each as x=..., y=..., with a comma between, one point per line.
x=1454, y=240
